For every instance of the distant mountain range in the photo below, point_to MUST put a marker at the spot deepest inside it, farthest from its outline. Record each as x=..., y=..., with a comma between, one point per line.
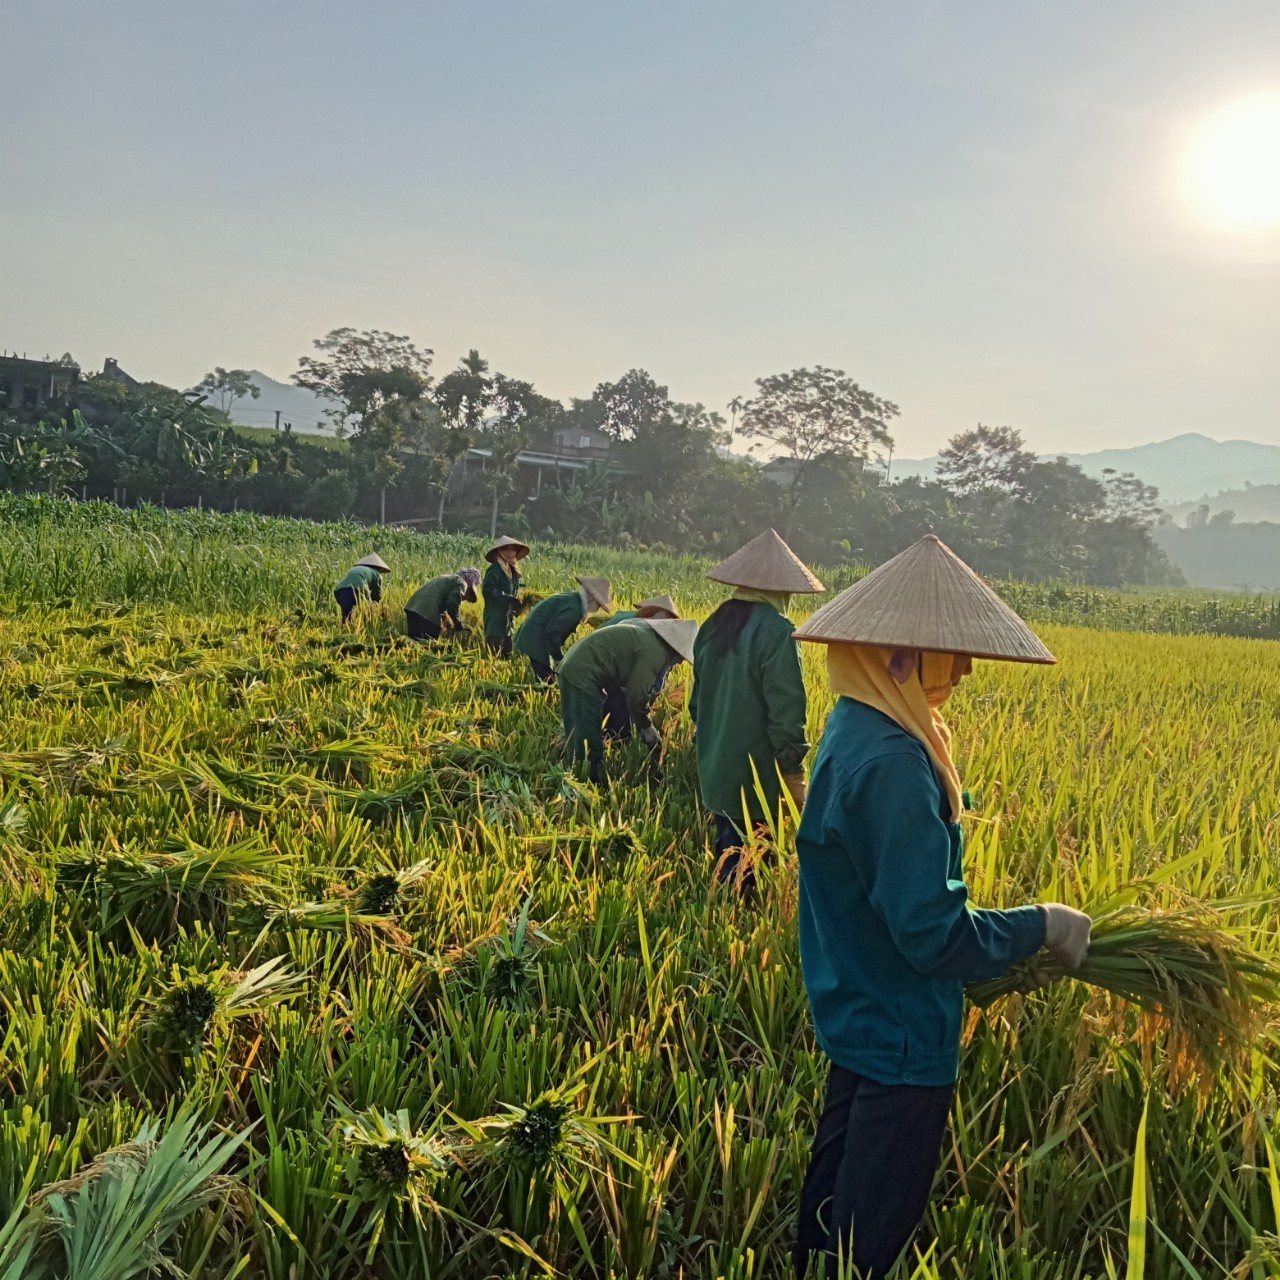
x=296, y=404
x=1187, y=469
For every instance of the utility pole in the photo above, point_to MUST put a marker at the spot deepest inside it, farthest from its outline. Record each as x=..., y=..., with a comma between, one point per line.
x=277, y=419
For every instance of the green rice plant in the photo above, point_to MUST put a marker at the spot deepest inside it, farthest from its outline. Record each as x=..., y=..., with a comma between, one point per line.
x=507, y=962
x=158, y=891
x=389, y=1162
x=395, y=877
x=119, y=1216
x=195, y=1007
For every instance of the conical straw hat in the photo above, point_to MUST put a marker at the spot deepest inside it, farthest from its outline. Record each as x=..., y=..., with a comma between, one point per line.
x=655, y=605
x=504, y=541
x=678, y=633
x=926, y=598
x=766, y=563
x=375, y=561
x=598, y=589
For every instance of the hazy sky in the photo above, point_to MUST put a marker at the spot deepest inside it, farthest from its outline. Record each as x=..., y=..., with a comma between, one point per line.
x=977, y=210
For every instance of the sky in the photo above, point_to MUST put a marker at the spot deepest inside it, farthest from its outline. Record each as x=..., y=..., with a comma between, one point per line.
x=981, y=212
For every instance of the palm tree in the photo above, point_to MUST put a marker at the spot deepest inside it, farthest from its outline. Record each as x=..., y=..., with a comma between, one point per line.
x=736, y=406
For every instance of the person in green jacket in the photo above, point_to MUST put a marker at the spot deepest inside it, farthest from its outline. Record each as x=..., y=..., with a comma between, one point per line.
x=501, y=590
x=440, y=601
x=888, y=937
x=553, y=620
x=617, y=715
x=634, y=656
x=748, y=702
x=653, y=607
x=363, y=581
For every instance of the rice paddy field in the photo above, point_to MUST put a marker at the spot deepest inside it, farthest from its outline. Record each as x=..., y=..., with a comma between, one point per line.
x=314, y=962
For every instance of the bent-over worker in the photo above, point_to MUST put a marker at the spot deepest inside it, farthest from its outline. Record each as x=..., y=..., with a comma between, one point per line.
x=552, y=621
x=439, y=601
x=887, y=936
x=363, y=581
x=748, y=702
x=617, y=715
x=634, y=656
x=501, y=590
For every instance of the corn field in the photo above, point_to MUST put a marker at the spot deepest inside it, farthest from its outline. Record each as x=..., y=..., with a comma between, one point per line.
x=314, y=961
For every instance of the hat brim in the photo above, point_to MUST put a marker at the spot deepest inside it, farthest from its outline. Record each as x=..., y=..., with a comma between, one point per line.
x=601, y=600
x=965, y=652
x=677, y=634
x=520, y=548
x=926, y=598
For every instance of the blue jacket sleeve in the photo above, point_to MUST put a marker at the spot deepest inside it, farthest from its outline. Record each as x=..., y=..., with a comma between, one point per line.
x=901, y=851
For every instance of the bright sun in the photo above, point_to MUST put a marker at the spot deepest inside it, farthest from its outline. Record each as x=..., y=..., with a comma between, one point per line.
x=1233, y=165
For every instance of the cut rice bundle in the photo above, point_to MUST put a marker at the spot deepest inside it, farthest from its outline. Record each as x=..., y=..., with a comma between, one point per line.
x=1193, y=978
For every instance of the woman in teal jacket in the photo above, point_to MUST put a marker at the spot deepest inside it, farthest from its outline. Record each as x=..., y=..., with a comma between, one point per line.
x=887, y=936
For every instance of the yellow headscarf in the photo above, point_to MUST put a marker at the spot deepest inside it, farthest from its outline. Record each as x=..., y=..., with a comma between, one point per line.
x=909, y=687
x=778, y=599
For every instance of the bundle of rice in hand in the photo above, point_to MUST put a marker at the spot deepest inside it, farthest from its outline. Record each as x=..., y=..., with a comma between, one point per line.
x=1192, y=977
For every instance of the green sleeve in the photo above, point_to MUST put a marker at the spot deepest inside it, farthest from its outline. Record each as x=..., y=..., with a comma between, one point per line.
x=563, y=625
x=645, y=670
x=498, y=589
x=453, y=602
x=889, y=812
x=786, y=705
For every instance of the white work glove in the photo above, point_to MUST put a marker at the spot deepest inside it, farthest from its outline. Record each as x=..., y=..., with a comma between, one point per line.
x=794, y=783
x=650, y=737
x=1066, y=933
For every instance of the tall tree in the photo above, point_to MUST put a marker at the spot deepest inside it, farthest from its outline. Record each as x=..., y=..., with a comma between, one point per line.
x=1128, y=498
x=735, y=407
x=985, y=460
x=630, y=404
x=226, y=386
x=516, y=411
x=362, y=373
x=462, y=398
x=380, y=380
x=814, y=413
x=665, y=464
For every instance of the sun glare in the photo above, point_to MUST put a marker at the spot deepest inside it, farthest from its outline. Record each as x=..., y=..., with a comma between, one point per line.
x=1233, y=165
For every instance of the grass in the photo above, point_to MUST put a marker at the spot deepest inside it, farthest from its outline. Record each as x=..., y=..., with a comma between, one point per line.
x=457, y=1014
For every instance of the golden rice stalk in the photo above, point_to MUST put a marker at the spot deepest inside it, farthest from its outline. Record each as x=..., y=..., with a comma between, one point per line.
x=1195, y=981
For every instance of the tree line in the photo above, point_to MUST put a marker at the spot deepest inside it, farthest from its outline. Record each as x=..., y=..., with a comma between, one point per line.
x=453, y=451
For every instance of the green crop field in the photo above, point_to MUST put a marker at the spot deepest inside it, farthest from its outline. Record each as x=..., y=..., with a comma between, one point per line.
x=312, y=924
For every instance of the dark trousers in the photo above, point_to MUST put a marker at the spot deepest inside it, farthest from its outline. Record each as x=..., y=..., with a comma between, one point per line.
x=542, y=670
x=421, y=628
x=499, y=645
x=617, y=711
x=870, y=1172
x=346, y=598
